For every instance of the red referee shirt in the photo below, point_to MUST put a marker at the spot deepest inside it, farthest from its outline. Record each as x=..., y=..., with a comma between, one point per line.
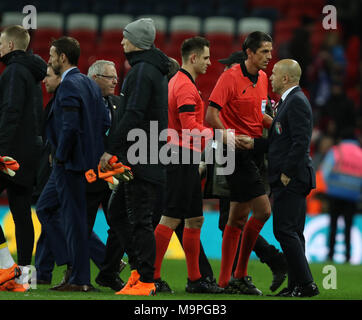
x=185, y=110
x=240, y=101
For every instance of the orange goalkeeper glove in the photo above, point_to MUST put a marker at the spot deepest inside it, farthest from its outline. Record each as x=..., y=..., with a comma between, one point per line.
x=8, y=165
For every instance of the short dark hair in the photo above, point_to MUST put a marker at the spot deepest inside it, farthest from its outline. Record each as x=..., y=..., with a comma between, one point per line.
x=253, y=40
x=69, y=46
x=193, y=45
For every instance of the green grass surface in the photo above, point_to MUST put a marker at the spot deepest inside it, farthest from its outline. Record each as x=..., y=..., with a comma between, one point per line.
x=174, y=272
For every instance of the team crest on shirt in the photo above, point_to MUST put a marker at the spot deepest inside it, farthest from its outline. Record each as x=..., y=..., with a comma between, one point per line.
x=278, y=128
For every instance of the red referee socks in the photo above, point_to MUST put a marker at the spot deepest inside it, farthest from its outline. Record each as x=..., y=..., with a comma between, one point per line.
x=250, y=234
x=230, y=241
x=163, y=236
x=191, y=245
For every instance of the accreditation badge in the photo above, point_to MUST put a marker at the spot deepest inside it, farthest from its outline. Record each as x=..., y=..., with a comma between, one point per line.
x=263, y=106
x=278, y=128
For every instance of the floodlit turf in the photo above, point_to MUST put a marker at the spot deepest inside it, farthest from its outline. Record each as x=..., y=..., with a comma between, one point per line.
x=174, y=272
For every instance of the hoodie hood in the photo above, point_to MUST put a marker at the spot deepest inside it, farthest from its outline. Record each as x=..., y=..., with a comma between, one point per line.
x=34, y=63
x=153, y=56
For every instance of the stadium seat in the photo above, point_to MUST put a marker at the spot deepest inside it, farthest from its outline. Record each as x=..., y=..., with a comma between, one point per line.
x=182, y=27
x=11, y=18
x=112, y=26
x=220, y=31
x=84, y=28
x=49, y=26
x=248, y=25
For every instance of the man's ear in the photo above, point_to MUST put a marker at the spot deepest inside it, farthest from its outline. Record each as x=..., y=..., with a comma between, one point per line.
x=11, y=45
x=248, y=52
x=63, y=57
x=193, y=57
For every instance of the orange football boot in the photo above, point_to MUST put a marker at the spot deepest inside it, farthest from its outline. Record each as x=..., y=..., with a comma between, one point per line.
x=133, y=279
x=9, y=274
x=140, y=289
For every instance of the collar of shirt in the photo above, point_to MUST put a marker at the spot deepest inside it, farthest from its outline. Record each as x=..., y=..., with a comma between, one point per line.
x=66, y=72
x=252, y=77
x=287, y=92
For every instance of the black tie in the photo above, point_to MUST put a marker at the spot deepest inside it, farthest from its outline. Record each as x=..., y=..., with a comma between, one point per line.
x=108, y=108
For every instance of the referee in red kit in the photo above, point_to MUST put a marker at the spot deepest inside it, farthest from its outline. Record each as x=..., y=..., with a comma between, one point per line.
x=184, y=195
x=238, y=102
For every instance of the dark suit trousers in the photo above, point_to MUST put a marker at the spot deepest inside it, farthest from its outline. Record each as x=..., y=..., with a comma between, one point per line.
x=289, y=212
x=111, y=254
x=65, y=191
x=20, y=206
x=44, y=258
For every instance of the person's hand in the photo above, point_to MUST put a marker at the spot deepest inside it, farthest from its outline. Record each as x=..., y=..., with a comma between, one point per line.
x=8, y=165
x=267, y=121
x=104, y=162
x=228, y=138
x=284, y=179
x=244, y=142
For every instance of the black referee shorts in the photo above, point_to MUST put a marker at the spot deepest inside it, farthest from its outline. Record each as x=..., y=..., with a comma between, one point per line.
x=245, y=182
x=184, y=195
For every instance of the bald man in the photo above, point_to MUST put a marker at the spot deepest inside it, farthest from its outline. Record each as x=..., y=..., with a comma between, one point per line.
x=291, y=175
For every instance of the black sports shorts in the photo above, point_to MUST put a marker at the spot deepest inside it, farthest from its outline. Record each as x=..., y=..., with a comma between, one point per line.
x=245, y=182
x=184, y=195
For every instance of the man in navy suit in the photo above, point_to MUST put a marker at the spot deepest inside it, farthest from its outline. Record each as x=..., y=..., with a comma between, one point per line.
x=75, y=129
x=291, y=175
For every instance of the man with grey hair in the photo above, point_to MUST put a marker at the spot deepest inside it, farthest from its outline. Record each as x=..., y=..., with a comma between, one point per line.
x=144, y=98
x=104, y=73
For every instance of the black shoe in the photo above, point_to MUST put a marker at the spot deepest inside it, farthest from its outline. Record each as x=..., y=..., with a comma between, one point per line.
x=309, y=290
x=279, y=267
x=202, y=286
x=242, y=286
x=65, y=279
x=286, y=292
x=113, y=282
x=162, y=286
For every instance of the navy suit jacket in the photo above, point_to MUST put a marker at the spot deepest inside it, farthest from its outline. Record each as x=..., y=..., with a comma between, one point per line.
x=289, y=140
x=77, y=122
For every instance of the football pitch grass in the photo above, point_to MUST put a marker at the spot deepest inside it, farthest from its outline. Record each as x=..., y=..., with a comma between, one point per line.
x=347, y=281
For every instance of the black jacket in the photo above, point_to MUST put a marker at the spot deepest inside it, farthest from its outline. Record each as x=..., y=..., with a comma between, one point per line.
x=21, y=104
x=144, y=99
x=289, y=140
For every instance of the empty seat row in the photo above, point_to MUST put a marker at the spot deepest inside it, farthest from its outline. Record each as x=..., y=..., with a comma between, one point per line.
x=118, y=21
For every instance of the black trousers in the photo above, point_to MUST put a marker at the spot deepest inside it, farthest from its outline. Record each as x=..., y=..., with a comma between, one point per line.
x=289, y=212
x=20, y=198
x=346, y=209
x=130, y=215
x=112, y=255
